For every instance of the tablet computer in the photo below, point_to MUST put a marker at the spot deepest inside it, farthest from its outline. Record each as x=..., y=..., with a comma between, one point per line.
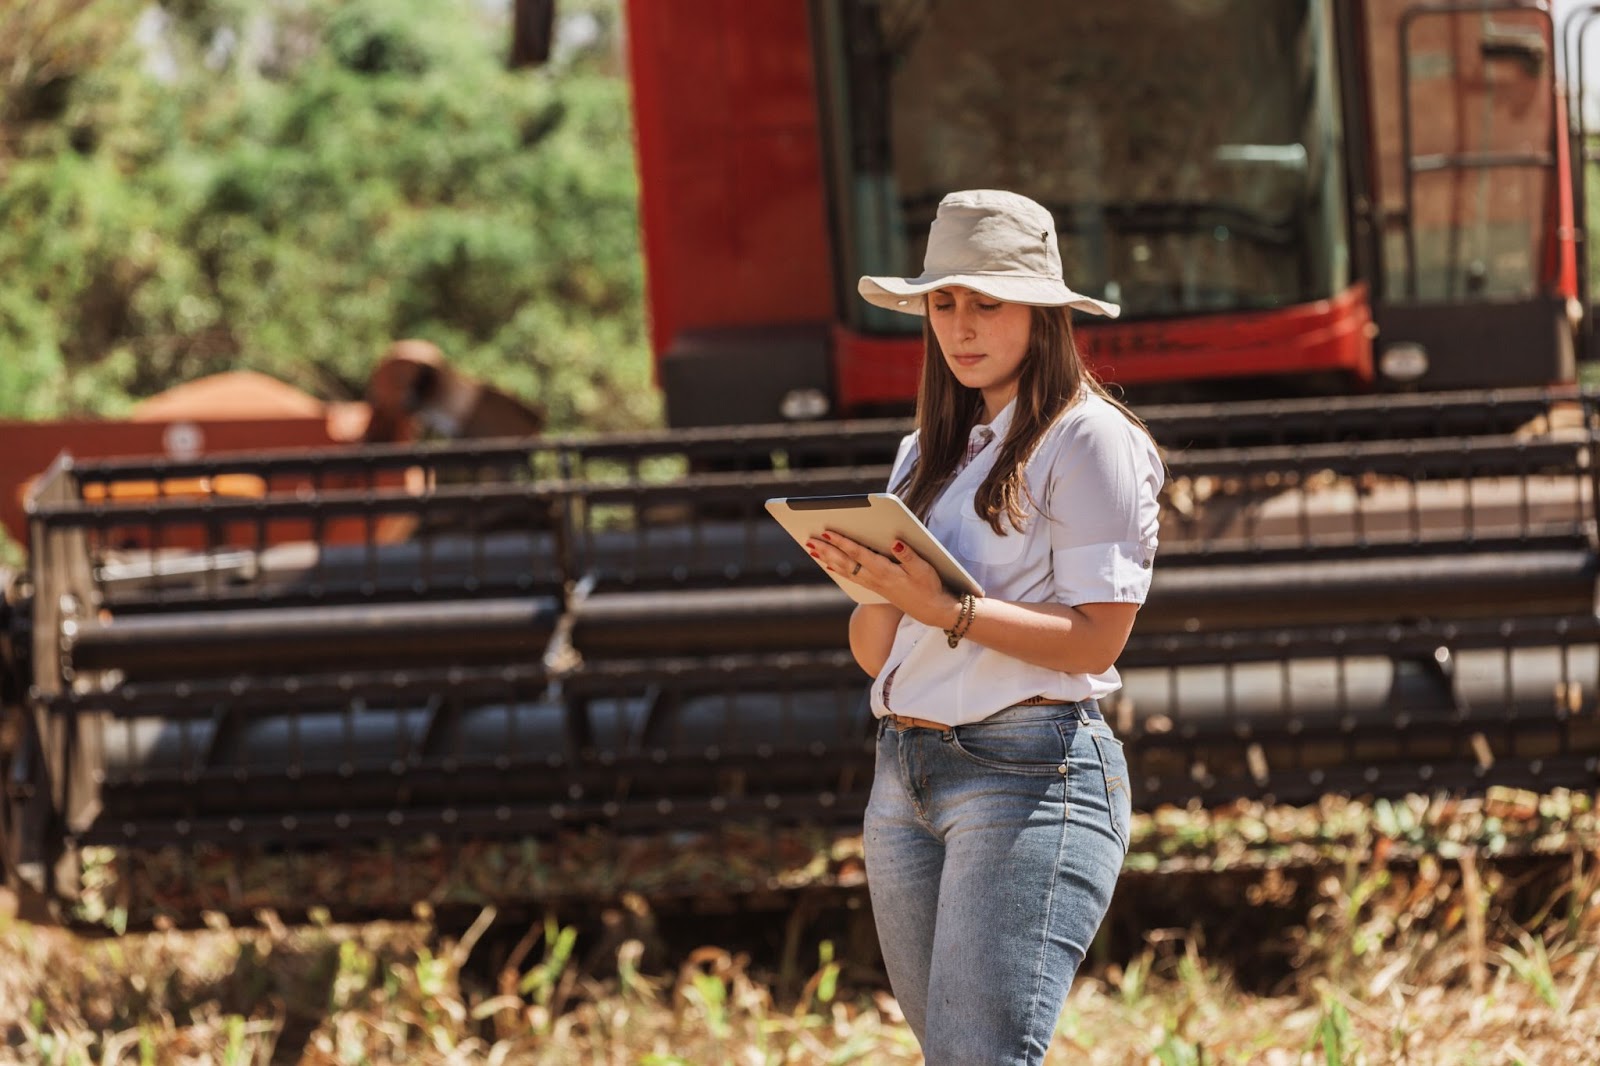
x=876, y=519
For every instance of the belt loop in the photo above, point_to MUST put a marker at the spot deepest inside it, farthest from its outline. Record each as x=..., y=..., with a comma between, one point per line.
x=1083, y=712
x=883, y=723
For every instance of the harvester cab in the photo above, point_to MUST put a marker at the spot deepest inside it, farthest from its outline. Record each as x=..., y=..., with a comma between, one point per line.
x=563, y=667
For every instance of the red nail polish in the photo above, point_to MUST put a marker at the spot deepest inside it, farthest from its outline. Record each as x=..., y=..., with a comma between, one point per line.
x=827, y=538
x=899, y=547
x=814, y=555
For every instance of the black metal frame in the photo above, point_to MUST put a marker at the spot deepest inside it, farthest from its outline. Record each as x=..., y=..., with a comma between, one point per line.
x=642, y=648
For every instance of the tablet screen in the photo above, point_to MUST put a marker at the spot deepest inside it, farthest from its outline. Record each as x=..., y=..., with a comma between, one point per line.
x=875, y=519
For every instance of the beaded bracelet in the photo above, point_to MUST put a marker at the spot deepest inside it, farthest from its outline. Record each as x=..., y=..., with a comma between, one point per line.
x=972, y=615
x=968, y=610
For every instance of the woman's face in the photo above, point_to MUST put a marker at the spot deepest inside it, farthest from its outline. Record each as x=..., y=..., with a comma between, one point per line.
x=984, y=341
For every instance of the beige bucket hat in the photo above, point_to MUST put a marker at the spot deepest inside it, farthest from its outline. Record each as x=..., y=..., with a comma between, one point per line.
x=997, y=243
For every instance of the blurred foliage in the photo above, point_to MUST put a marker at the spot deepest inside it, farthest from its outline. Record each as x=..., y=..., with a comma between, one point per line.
x=289, y=186
x=1185, y=975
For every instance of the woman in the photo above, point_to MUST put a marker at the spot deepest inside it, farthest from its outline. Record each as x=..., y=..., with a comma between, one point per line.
x=999, y=816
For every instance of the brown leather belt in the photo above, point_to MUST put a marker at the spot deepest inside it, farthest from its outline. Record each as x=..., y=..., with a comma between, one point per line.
x=902, y=722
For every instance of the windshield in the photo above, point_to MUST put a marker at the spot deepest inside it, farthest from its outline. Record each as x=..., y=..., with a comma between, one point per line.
x=1188, y=148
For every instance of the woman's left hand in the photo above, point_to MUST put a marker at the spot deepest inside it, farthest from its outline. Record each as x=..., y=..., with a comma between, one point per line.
x=904, y=578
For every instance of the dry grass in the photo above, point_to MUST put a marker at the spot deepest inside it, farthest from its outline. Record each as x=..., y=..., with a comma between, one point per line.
x=1453, y=956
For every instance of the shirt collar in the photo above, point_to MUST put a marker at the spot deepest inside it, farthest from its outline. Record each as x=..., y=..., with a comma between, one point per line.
x=996, y=428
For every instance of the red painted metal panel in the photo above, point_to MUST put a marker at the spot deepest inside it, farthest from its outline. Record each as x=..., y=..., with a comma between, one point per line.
x=1326, y=335
x=731, y=184
x=1329, y=335
x=783, y=260
x=27, y=448
x=647, y=22
x=870, y=371
x=1561, y=250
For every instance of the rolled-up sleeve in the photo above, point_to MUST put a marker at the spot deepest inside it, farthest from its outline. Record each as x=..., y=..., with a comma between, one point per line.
x=1104, y=513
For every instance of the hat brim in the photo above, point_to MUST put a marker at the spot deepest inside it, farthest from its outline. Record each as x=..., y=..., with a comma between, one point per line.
x=907, y=295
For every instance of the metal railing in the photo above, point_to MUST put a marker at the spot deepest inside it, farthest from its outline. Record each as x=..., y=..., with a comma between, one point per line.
x=522, y=639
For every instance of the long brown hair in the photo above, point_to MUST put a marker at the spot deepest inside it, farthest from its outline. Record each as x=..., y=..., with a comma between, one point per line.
x=1052, y=377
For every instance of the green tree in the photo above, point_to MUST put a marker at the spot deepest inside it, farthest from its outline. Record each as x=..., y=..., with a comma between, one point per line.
x=291, y=186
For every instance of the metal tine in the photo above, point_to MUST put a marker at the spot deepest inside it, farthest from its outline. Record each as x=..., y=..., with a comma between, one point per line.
x=1510, y=710
x=1524, y=502
x=318, y=531
x=751, y=516
x=1564, y=710
x=157, y=530
x=507, y=759
x=135, y=777
x=296, y=768
x=451, y=765
x=1469, y=513
x=1346, y=718
x=1174, y=708
x=697, y=547
x=1252, y=525
x=402, y=741
x=262, y=540
x=1303, y=500
x=1232, y=724
x=353, y=708
x=676, y=741
x=732, y=732
x=585, y=523
x=427, y=531
x=1588, y=487
x=1360, y=502
x=641, y=555
x=399, y=861
x=478, y=567
x=369, y=548
x=292, y=861
x=1413, y=485
x=213, y=535
x=514, y=703
x=1293, y=725
x=787, y=713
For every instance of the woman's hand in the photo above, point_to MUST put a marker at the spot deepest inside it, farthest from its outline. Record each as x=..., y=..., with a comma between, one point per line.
x=1085, y=639
x=904, y=578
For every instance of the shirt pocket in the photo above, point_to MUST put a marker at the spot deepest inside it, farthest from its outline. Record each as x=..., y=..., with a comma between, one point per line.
x=979, y=542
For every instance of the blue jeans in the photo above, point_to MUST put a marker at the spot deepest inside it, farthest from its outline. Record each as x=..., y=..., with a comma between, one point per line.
x=992, y=850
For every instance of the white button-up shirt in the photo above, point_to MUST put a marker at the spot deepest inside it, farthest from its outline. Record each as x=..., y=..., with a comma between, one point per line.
x=1095, y=476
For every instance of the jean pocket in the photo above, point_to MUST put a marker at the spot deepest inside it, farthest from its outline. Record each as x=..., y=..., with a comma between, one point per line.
x=1114, y=774
x=1102, y=732
x=1038, y=747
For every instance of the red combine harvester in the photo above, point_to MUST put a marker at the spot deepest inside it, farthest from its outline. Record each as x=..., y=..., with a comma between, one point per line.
x=1345, y=234
x=1305, y=198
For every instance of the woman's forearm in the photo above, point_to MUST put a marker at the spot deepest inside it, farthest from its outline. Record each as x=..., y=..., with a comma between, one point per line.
x=1085, y=639
x=872, y=629
x=1077, y=640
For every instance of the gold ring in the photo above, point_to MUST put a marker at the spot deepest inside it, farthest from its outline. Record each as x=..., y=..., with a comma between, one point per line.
x=856, y=571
